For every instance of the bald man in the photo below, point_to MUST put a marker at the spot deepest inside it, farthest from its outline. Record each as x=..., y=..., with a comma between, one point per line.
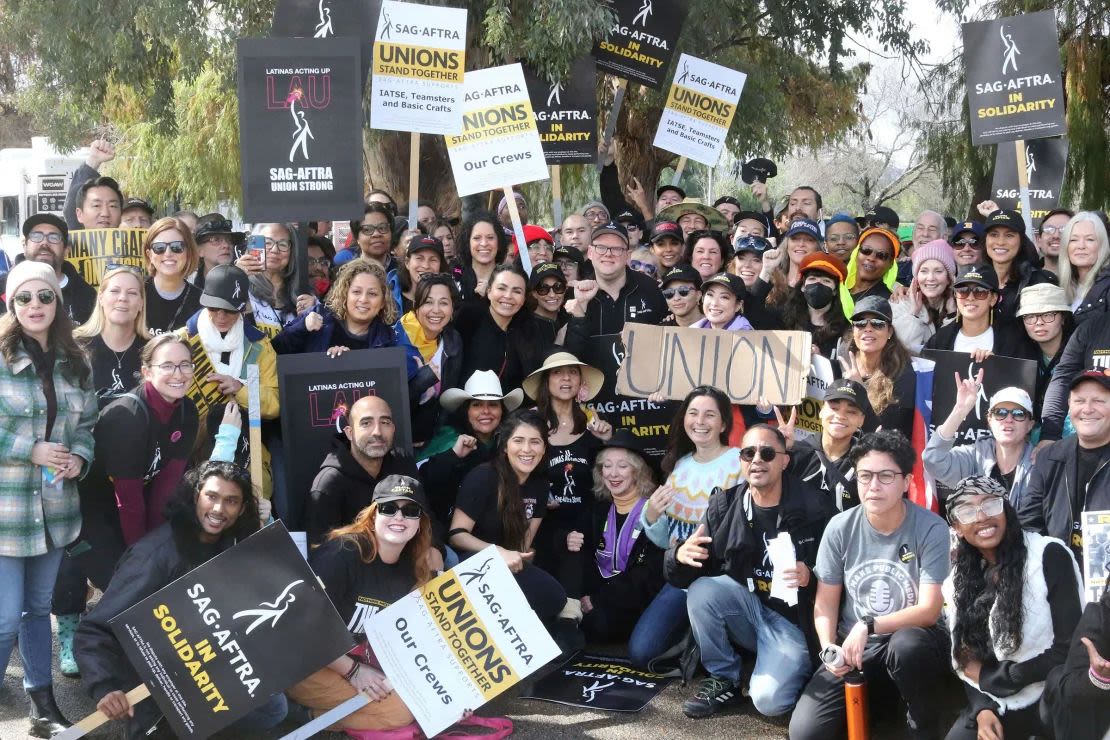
x=575, y=232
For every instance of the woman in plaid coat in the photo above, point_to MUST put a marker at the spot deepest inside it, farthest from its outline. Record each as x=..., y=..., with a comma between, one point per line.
x=48, y=408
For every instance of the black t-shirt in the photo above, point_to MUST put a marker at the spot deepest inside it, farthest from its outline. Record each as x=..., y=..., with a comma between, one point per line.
x=341, y=337
x=114, y=373
x=164, y=315
x=357, y=589
x=478, y=500
x=1006, y=479
x=1087, y=462
x=765, y=525
x=570, y=474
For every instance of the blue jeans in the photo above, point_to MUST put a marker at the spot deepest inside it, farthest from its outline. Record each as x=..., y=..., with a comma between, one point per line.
x=660, y=626
x=26, y=587
x=723, y=611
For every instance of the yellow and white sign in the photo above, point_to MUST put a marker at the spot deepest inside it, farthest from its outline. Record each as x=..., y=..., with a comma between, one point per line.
x=419, y=58
x=499, y=144
x=459, y=641
x=700, y=107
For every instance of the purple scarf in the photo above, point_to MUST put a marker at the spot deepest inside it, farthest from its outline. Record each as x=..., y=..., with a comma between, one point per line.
x=612, y=557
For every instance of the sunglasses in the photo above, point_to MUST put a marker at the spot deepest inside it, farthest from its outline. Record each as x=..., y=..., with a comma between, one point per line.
x=976, y=292
x=160, y=247
x=1015, y=414
x=966, y=243
x=868, y=252
x=645, y=267
x=544, y=289
x=873, y=323
x=36, y=237
x=681, y=291
x=23, y=297
x=766, y=454
x=389, y=510
x=968, y=513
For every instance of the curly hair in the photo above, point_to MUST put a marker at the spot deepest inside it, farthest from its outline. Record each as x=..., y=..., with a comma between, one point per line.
x=509, y=504
x=462, y=241
x=184, y=504
x=362, y=534
x=892, y=363
x=337, y=296
x=888, y=442
x=678, y=443
x=642, y=476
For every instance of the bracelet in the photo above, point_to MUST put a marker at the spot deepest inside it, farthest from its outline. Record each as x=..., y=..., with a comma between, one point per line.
x=1100, y=682
x=350, y=675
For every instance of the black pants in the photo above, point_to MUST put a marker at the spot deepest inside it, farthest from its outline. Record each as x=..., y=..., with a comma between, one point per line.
x=544, y=594
x=553, y=556
x=915, y=660
x=92, y=557
x=1019, y=723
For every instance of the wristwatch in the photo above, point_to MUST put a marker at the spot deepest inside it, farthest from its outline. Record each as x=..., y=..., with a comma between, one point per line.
x=870, y=622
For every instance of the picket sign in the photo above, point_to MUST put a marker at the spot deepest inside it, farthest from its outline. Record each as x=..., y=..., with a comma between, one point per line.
x=677, y=177
x=98, y=718
x=611, y=122
x=518, y=229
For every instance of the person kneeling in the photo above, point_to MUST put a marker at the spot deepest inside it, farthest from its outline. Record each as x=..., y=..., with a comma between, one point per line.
x=727, y=568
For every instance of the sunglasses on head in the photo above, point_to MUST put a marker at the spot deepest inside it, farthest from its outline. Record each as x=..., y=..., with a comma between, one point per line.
x=873, y=323
x=23, y=297
x=389, y=509
x=647, y=267
x=160, y=247
x=1015, y=414
x=869, y=251
x=977, y=292
x=545, y=288
x=766, y=454
x=681, y=291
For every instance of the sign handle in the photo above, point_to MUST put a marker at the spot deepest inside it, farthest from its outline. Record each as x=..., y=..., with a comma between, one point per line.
x=611, y=123
x=677, y=176
x=1023, y=188
x=414, y=177
x=328, y=718
x=557, y=194
x=98, y=718
x=518, y=230
x=254, y=424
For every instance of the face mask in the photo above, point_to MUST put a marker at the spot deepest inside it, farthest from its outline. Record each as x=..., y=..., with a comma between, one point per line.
x=818, y=295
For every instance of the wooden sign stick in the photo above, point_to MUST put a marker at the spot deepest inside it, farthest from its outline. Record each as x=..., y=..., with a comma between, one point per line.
x=611, y=122
x=98, y=718
x=414, y=177
x=557, y=195
x=254, y=424
x=518, y=229
x=678, y=171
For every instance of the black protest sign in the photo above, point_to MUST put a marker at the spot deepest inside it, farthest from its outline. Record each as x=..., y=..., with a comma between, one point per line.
x=1014, y=85
x=566, y=113
x=325, y=19
x=599, y=682
x=642, y=41
x=1045, y=160
x=222, y=639
x=998, y=373
x=95, y=251
x=300, y=119
x=316, y=394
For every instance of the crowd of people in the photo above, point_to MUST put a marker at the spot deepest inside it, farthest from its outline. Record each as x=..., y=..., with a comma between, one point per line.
x=123, y=457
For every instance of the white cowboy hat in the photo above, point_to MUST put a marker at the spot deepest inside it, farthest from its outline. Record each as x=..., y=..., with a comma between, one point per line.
x=483, y=385
x=591, y=376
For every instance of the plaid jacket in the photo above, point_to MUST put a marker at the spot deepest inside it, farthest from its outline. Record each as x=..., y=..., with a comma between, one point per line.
x=26, y=511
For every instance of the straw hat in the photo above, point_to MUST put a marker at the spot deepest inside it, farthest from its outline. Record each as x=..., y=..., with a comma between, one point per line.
x=591, y=376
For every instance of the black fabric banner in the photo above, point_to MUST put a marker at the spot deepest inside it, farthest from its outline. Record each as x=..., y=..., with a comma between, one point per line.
x=566, y=113
x=1045, y=160
x=1014, y=84
x=300, y=129
x=642, y=41
x=222, y=639
x=325, y=19
x=998, y=373
x=599, y=682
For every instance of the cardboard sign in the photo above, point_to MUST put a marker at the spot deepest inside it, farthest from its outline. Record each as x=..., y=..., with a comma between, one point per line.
x=642, y=41
x=325, y=19
x=419, y=58
x=1014, y=84
x=1045, y=160
x=1096, y=554
x=300, y=117
x=95, y=251
x=215, y=644
x=700, y=108
x=745, y=365
x=459, y=641
x=499, y=144
x=566, y=113
x=599, y=682
x=316, y=394
x=998, y=373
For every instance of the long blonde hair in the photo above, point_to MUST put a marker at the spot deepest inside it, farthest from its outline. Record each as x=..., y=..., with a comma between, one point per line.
x=97, y=322
x=1069, y=280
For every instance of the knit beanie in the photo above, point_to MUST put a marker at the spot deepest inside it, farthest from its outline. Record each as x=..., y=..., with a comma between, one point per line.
x=939, y=250
x=26, y=271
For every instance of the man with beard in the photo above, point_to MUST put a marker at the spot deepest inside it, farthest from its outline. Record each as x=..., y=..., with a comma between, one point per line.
x=46, y=239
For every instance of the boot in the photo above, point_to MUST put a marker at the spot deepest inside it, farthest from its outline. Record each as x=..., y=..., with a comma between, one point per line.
x=46, y=719
x=67, y=627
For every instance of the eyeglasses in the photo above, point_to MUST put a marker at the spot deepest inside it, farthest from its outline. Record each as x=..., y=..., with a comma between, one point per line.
x=545, y=288
x=160, y=247
x=646, y=267
x=319, y=261
x=602, y=249
x=886, y=477
x=389, y=510
x=1032, y=319
x=976, y=292
x=280, y=245
x=966, y=243
x=868, y=252
x=681, y=291
x=23, y=297
x=35, y=237
x=1015, y=414
x=766, y=454
x=968, y=513
x=873, y=323
x=1050, y=230
x=168, y=368
x=371, y=229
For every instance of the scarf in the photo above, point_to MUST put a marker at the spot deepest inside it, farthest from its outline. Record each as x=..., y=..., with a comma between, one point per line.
x=215, y=345
x=617, y=546
x=427, y=347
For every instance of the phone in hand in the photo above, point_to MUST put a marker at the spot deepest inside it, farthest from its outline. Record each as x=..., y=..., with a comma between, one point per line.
x=256, y=247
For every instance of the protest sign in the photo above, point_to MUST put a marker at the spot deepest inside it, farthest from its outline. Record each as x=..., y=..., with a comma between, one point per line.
x=318, y=391
x=601, y=682
x=300, y=117
x=325, y=19
x=808, y=426
x=459, y=641
x=499, y=144
x=1014, y=85
x=1096, y=554
x=95, y=251
x=213, y=645
x=746, y=365
x=419, y=58
x=1045, y=160
x=642, y=40
x=700, y=107
x=566, y=113
x=998, y=373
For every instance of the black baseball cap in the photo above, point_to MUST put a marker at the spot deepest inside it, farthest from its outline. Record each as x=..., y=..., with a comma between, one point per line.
x=545, y=270
x=50, y=220
x=751, y=216
x=1006, y=218
x=137, y=203
x=611, y=228
x=664, y=188
x=728, y=280
x=883, y=215
x=401, y=488
x=567, y=252
x=873, y=305
x=667, y=228
x=982, y=275
x=226, y=287
x=1099, y=376
x=851, y=391
x=681, y=273
x=426, y=243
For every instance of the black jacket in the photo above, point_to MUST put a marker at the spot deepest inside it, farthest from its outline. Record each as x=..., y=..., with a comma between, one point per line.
x=836, y=480
x=442, y=475
x=631, y=590
x=639, y=301
x=1010, y=340
x=1089, y=347
x=429, y=416
x=1097, y=301
x=512, y=353
x=1047, y=506
x=1072, y=705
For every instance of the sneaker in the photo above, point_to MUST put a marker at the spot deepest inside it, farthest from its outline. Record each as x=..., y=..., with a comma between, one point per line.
x=714, y=694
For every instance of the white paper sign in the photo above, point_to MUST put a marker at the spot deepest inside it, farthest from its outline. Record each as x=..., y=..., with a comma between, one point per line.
x=700, y=107
x=807, y=428
x=458, y=642
x=499, y=144
x=781, y=552
x=419, y=58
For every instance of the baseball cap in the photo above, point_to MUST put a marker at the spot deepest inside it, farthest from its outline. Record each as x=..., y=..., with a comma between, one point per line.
x=425, y=243
x=682, y=272
x=533, y=233
x=973, y=226
x=751, y=216
x=666, y=228
x=611, y=227
x=828, y=264
x=567, y=252
x=1097, y=375
x=882, y=215
x=226, y=287
x=728, y=280
x=401, y=488
x=873, y=304
x=137, y=203
x=1012, y=394
x=664, y=188
x=805, y=226
x=545, y=270
x=851, y=391
x=46, y=218
x=1005, y=218
x=983, y=275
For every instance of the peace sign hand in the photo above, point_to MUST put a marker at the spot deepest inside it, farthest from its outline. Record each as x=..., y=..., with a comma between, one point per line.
x=786, y=426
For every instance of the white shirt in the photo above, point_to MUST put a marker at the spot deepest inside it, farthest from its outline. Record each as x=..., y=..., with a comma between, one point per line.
x=964, y=343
